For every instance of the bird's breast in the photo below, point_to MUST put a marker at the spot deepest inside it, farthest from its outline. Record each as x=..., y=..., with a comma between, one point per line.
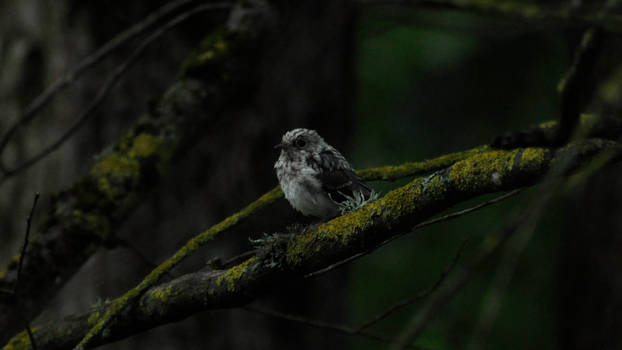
x=303, y=190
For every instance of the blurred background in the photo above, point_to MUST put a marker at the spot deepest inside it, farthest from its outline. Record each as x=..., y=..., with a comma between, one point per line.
x=384, y=84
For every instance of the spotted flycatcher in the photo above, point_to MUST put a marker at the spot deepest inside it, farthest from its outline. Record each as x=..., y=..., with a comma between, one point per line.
x=314, y=176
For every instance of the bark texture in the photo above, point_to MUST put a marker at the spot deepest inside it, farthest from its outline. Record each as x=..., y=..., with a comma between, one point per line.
x=291, y=256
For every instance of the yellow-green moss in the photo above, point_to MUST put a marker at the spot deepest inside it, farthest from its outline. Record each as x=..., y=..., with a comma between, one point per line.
x=11, y=265
x=611, y=90
x=191, y=246
x=163, y=293
x=341, y=230
x=416, y=168
x=94, y=223
x=148, y=145
x=145, y=145
x=533, y=155
x=232, y=275
x=547, y=124
x=469, y=172
x=98, y=322
x=343, y=227
x=93, y=318
x=20, y=341
x=213, y=48
x=588, y=118
x=400, y=200
x=126, y=141
x=585, y=120
x=114, y=170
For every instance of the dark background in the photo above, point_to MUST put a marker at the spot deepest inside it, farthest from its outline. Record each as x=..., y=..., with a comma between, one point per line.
x=385, y=85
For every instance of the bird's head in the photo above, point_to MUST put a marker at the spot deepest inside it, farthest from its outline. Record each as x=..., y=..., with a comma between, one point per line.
x=301, y=141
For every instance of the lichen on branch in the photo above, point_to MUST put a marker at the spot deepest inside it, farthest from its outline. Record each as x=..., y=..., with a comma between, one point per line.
x=330, y=242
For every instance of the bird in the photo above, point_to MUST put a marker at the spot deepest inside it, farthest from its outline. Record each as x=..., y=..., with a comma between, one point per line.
x=314, y=176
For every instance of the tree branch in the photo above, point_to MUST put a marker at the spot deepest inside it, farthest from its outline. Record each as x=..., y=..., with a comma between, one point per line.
x=399, y=210
x=519, y=230
x=19, y=268
x=68, y=78
x=416, y=227
x=323, y=325
x=520, y=10
x=67, y=265
x=107, y=85
x=84, y=217
x=421, y=295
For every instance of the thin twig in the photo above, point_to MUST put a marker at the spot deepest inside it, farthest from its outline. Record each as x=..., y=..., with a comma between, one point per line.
x=421, y=295
x=521, y=228
x=142, y=257
x=31, y=337
x=68, y=78
x=416, y=227
x=466, y=211
x=134, y=250
x=503, y=276
x=336, y=265
x=26, y=238
x=110, y=82
x=517, y=9
x=320, y=324
x=19, y=267
x=449, y=288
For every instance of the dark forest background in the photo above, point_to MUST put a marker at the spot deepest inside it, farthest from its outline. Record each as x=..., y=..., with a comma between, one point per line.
x=385, y=84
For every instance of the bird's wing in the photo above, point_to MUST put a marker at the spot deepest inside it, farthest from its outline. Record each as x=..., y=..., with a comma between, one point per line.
x=338, y=179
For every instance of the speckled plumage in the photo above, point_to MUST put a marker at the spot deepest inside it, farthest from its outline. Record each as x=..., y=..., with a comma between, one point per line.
x=314, y=175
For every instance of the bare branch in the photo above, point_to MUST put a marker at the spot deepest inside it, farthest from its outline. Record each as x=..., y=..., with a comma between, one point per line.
x=110, y=82
x=421, y=295
x=19, y=267
x=449, y=288
x=576, y=87
x=26, y=237
x=532, y=12
x=466, y=211
x=68, y=78
x=321, y=325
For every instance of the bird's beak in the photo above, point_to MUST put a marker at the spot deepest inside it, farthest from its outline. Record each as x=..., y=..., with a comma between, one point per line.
x=279, y=146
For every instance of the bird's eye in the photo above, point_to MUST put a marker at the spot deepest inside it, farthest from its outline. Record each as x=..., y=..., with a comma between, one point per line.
x=299, y=143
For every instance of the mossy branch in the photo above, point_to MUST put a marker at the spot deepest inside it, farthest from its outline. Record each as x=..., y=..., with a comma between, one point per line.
x=84, y=217
x=527, y=11
x=101, y=321
x=481, y=173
